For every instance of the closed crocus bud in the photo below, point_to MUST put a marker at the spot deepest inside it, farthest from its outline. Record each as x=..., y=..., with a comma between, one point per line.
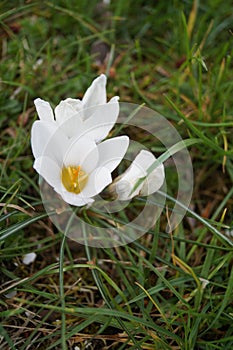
x=137, y=173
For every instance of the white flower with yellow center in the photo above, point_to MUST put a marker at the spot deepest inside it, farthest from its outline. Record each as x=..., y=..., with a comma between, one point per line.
x=75, y=115
x=78, y=169
x=124, y=185
x=67, y=145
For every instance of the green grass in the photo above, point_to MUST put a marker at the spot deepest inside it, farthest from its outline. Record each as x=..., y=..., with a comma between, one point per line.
x=162, y=291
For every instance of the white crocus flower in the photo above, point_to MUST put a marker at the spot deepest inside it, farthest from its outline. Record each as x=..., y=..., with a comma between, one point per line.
x=77, y=168
x=75, y=115
x=124, y=185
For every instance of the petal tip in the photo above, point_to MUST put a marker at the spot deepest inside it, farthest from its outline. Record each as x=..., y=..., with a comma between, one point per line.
x=37, y=100
x=114, y=99
x=102, y=78
x=43, y=109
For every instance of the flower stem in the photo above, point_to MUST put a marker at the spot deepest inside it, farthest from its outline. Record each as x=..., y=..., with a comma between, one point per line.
x=62, y=294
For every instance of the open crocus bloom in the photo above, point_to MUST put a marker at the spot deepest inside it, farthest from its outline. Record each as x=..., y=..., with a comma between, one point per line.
x=75, y=115
x=78, y=168
x=124, y=185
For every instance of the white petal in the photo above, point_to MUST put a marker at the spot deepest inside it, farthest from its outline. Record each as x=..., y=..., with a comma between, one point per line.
x=74, y=199
x=156, y=178
x=97, y=181
x=114, y=99
x=137, y=170
x=96, y=93
x=154, y=181
x=47, y=139
x=41, y=132
x=44, y=110
x=112, y=151
x=69, y=115
x=124, y=186
x=83, y=152
x=73, y=126
x=98, y=125
x=142, y=162
x=88, y=112
x=75, y=103
x=49, y=170
x=64, y=111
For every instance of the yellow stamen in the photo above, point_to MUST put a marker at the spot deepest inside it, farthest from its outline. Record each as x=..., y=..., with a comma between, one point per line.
x=74, y=178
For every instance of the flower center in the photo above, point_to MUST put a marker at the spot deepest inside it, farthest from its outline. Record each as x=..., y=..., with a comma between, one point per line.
x=74, y=178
